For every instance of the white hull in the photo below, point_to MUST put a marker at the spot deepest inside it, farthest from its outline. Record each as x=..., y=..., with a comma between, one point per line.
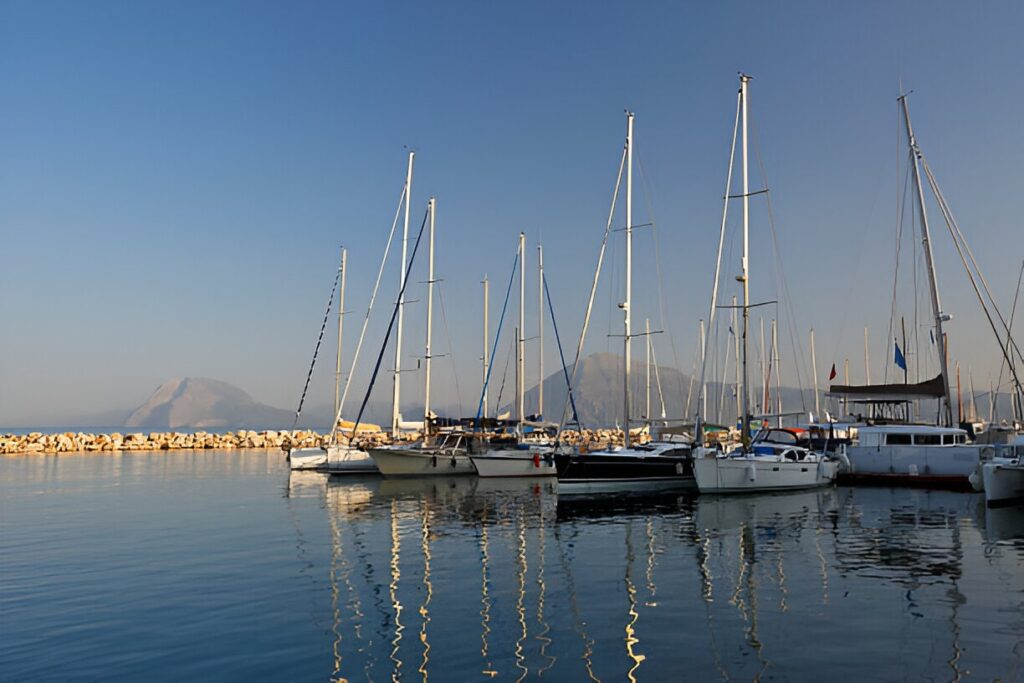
x=1004, y=481
x=737, y=475
x=337, y=458
x=951, y=463
x=513, y=463
x=405, y=462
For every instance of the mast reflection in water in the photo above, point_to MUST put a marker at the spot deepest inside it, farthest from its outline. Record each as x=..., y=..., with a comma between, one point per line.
x=462, y=579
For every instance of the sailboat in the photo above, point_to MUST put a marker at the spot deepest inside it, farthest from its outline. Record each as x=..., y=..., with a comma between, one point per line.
x=774, y=460
x=517, y=459
x=653, y=464
x=334, y=455
x=905, y=454
x=428, y=456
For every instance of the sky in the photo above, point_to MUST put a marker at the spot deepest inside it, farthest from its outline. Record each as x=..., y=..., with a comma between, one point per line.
x=177, y=179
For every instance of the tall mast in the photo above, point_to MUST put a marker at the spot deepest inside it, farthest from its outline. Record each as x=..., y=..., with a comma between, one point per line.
x=647, y=335
x=814, y=371
x=703, y=385
x=396, y=395
x=337, y=367
x=521, y=341
x=485, y=358
x=432, y=207
x=778, y=374
x=974, y=407
x=940, y=337
x=867, y=363
x=629, y=274
x=744, y=275
x=736, y=344
x=540, y=331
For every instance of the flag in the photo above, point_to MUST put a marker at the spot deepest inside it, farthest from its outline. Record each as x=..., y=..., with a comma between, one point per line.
x=832, y=375
x=898, y=356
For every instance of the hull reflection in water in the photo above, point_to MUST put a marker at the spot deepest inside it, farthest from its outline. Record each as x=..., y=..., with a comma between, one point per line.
x=509, y=578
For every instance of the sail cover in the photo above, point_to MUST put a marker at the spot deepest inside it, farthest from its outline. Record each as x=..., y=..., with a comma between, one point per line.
x=933, y=388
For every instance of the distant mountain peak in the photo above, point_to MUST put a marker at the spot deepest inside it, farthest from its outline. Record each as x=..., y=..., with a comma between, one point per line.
x=205, y=403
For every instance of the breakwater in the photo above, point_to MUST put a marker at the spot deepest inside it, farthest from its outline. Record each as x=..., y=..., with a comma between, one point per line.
x=84, y=442
x=87, y=442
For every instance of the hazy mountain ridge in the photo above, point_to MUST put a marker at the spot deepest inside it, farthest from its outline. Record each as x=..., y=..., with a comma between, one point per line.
x=198, y=402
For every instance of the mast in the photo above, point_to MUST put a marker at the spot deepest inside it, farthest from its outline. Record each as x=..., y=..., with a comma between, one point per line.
x=647, y=335
x=521, y=341
x=432, y=207
x=486, y=360
x=940, y=317
x=337, y=366
x=814, y=371
x=703, y=386
x=867, y=363
x=970, y=381
x=778, y=373
x=629, y=275
x=736, y=344
x=540, y=331
x=396, y=395
x=765, y=371
x=744, y=277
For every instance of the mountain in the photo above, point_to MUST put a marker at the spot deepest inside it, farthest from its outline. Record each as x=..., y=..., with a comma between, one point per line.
x=599, y=395
x=196, y=402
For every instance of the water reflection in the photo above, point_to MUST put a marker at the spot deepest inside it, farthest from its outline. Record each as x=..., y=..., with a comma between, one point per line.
x=512, y=581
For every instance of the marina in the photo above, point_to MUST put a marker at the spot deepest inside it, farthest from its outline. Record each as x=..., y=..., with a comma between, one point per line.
x=229, y=564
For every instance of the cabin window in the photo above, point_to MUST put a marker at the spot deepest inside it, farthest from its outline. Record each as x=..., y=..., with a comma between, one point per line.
x=897, y=439
x=961, y=438
x=948, y=439
x=927, y=439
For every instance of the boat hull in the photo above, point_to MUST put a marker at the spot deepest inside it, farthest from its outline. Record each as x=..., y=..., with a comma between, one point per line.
x=922, y=466
x=413, y=462
x=514, y=463
x=1004, y=483
x=607, y=471
x=334, y=459
x=742, y=475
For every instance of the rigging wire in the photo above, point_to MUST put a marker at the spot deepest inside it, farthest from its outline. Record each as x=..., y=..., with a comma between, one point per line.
x=369, y=309
x=494, y=348
x=659, y=278
x=391, y=324
x=561, y=356
x=787, y=300
x=451, y=353
x=316, y=349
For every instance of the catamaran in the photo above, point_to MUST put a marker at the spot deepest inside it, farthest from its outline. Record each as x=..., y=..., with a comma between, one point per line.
x=774, y=460
x=912, y=454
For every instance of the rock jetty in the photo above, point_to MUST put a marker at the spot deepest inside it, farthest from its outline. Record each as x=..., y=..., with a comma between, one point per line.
x=81, y=442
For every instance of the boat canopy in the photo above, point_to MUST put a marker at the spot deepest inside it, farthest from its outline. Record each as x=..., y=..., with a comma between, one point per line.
x=888, y=393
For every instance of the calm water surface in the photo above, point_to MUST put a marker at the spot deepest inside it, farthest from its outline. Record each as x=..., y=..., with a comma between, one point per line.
x=202, y=565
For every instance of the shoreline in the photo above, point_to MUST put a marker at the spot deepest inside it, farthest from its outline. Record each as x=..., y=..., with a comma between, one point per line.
x=90, y=442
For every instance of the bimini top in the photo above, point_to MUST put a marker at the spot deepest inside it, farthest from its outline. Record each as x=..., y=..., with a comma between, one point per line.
x=888, y=393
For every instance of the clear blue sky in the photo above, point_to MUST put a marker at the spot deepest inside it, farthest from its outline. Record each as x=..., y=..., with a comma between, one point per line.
x=175, y=178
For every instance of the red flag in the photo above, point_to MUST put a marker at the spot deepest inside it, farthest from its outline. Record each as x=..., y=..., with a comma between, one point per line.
x=832, y=375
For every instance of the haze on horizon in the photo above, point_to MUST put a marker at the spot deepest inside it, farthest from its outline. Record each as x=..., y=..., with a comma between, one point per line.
x=177, y=179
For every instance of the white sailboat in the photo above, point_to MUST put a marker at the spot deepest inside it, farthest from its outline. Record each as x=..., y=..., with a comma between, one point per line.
x=334, y=455
x=774, y=461
x=425, y=457
x=518, y=459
